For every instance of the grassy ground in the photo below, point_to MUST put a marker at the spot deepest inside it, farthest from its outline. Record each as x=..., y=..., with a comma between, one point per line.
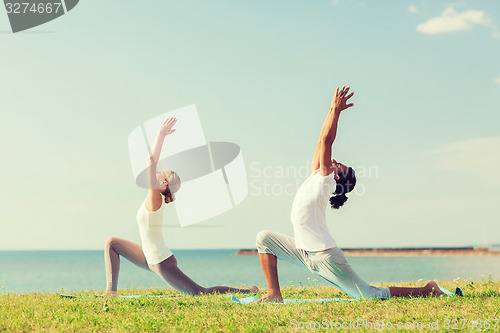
x=35, y=312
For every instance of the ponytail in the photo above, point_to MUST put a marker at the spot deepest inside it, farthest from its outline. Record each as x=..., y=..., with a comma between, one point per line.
x=345, y=184
x=337, y=201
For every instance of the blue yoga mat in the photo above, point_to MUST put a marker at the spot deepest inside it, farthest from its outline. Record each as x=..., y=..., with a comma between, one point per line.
x=458, y=291
x=119, y=296
x=126, y=296
x=249, y=300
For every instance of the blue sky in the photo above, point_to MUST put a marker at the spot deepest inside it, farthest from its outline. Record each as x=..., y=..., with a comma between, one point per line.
x=426, y=76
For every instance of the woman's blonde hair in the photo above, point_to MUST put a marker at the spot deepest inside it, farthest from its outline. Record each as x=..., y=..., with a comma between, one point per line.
x=174, y=184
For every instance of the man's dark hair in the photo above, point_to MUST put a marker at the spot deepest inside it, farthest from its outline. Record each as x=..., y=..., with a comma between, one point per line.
x=345, y=184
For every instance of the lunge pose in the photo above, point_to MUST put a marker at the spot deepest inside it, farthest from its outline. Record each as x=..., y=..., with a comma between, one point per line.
x=154, y=255
x=313, y=247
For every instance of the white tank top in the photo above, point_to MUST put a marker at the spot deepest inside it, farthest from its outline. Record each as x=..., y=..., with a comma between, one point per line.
x=309, y=213
x=151, y=231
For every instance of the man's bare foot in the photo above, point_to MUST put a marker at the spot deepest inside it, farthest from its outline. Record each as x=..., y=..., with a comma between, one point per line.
x=254, y=290
x=110, y=293
x=434, y=289
x=270, y=298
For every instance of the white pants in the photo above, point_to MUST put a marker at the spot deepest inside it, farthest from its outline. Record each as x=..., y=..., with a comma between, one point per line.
x=331, y=265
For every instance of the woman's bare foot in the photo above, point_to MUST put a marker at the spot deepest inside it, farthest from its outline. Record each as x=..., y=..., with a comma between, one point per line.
x=270, y=298
x=109, y=293
x=254, y=290
x=434, y=289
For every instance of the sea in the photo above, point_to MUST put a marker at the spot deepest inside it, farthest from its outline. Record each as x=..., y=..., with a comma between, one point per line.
x=71, y=271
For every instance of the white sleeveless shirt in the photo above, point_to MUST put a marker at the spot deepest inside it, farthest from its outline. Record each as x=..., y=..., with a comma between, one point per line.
x=151, y=231
x=309, y=213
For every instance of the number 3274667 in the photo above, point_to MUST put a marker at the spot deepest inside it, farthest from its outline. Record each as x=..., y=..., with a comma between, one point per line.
x=33, y=8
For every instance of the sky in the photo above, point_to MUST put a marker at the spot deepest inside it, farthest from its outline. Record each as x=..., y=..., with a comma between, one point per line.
x=423, y=134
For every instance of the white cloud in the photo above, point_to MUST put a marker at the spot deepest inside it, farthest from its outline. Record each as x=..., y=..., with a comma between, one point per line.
x=335, y=2
x=412, y=9
x=476, y=156
x=451, y=21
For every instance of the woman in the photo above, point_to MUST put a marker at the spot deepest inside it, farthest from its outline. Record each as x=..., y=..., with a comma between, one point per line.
x=154, y=255
x=313, y=246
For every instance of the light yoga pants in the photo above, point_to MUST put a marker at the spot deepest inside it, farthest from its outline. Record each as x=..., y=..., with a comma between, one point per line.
x=167, y=269
x=331, y=264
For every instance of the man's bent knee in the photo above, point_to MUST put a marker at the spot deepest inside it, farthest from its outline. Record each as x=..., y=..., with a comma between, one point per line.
x=262, y=236
x=262, y=240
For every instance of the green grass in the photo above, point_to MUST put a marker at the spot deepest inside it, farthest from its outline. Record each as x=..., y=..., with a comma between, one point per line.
x=35, y=312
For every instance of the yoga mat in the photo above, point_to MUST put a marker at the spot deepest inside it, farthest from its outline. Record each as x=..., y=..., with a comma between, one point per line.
x=249, y=300
x=119, y=296
x=127, y=296
x=458, y=291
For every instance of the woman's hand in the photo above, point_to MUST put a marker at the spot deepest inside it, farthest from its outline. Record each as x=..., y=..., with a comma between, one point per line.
x=166, y=127
x=154, y=157
x=339, y=102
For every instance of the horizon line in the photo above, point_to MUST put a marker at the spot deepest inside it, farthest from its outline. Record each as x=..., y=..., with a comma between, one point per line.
x=253, y=248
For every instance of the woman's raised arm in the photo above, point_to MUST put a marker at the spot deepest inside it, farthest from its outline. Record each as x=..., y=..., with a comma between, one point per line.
x=156, y=182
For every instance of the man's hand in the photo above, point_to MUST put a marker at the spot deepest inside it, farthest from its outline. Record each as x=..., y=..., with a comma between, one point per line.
x=339, y=102
x=166, y=127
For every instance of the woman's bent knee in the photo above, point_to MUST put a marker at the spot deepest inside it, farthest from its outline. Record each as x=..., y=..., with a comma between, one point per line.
x=110, y=242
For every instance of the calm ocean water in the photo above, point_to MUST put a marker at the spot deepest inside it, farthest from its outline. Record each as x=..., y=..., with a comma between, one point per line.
x=50, y=271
